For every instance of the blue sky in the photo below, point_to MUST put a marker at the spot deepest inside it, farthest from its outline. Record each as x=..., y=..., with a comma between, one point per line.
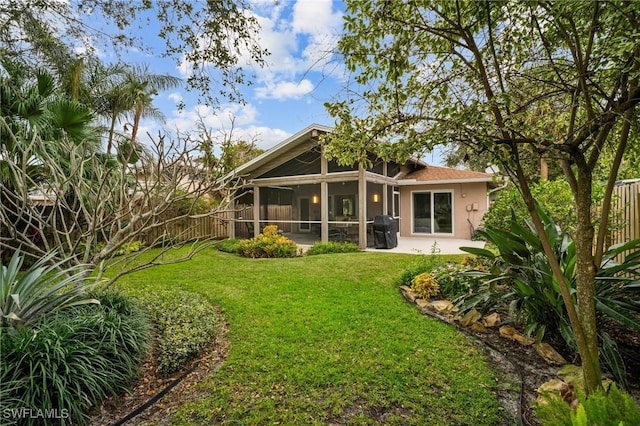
x=287, y=94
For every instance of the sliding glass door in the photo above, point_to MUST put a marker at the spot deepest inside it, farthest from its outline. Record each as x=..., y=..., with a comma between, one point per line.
x=432, y=212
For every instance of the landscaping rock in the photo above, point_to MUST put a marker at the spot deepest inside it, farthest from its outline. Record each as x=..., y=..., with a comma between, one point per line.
x=423, y=303
x=511, y=333
x=478, y=327
x=470, y=317
x=491, y=320
x=549, y=354
x=443, y=306
x=409, y=293
x=557, y=387
x=573, y=375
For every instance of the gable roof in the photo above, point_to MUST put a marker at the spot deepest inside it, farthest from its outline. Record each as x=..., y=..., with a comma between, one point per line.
x=308, y=137
x=281, y=150
x=435, y=174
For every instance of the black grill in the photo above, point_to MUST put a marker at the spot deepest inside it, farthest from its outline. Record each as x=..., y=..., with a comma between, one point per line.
x=385, y=232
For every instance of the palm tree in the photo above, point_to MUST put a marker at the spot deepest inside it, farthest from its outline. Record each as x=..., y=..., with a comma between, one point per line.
x=133, y=96
x=35, y=105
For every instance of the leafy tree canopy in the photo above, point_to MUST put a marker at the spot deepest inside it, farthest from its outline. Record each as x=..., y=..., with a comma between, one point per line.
x=208, y=38
x=556, y=79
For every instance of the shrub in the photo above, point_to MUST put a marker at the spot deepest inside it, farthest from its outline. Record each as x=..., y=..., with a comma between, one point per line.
x=230, y=245
x=72, y=360
x=425, y=286
x=554, y=196
x=332, y=247
x=603, y=408
x=268, y=244
x=43, y=288
x=425, y=263
x=184, y=324
x=452, y=280
x=130, y=247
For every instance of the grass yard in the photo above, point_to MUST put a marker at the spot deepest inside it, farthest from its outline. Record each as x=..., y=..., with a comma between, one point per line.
x=327, y=339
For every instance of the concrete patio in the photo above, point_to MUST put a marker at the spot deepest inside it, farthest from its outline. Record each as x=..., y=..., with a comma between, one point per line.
x=420, y=245
x=411, y=245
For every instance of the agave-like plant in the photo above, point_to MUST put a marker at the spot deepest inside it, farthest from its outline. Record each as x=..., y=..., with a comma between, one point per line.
x=44, y=287
x=532, y=292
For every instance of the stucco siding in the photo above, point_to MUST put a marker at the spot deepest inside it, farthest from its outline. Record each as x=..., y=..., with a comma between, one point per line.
x=469, y=203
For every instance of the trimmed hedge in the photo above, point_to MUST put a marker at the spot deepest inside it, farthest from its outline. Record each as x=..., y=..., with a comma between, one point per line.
x=184, y=324
x=332, y=247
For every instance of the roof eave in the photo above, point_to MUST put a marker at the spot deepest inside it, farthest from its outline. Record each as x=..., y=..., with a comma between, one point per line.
x=275, y=151
x=414, y=182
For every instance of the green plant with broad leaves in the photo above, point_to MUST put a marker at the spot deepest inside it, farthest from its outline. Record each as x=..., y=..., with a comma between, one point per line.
x=521, y=278
x=612, y=407
x=45, y=287
x=72, y=359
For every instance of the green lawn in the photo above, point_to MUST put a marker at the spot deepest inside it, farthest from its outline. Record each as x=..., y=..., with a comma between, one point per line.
x=327, y=339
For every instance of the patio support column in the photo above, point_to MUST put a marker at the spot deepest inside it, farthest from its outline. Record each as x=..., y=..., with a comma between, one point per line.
x=362, y=207
x=324, y=199
x=385, y=190
x=256, y=210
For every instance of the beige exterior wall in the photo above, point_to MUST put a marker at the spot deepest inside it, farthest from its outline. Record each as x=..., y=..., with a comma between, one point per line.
x=469, y=202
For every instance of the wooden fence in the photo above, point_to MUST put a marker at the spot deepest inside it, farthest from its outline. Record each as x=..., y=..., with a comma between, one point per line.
x=625, y=211
x=189, y=229
x=282, y=216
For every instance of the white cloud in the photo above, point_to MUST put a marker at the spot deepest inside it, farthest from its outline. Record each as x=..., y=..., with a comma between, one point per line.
x=240, y=118
x=300, y=41
x=316, y=18
x=285, y=90
x=187, y=121
x=265, y=137
x=176, y=97
x=300, y=37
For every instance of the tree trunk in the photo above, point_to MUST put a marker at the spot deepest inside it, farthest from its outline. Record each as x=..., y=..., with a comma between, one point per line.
x=585, y=334
x=111, y=130
x=585, y=281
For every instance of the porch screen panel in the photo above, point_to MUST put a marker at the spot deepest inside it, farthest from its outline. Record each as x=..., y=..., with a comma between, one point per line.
x=422, y=212
x=442, y=213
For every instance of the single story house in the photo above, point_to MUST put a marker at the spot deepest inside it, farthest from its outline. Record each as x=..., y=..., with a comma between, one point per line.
x=310, y=198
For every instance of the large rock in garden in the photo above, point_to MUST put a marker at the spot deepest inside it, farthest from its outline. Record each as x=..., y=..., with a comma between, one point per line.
x=470, y=317
x=423, y=303
x=408, y=293
x=549, y=354
x=491, y=320
x=511, y=333
x=478, y=327
x=443, y=307
x=560, y=388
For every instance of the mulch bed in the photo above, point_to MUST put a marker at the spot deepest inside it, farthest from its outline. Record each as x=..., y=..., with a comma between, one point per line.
x=113, y=410
x=520, y=364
